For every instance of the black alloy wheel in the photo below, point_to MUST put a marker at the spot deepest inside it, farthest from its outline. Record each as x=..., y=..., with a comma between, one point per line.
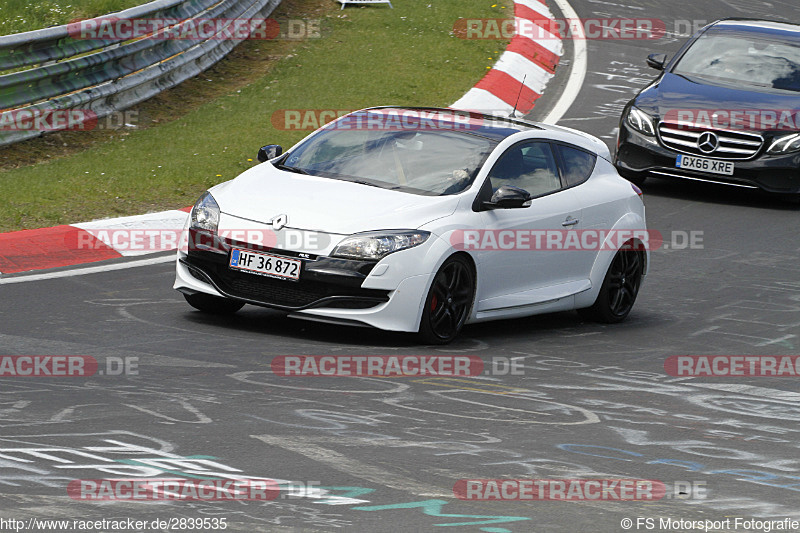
x=449, y=302
x=619, y=290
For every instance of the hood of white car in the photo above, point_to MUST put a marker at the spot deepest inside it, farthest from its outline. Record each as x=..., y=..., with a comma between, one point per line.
x=326, y=205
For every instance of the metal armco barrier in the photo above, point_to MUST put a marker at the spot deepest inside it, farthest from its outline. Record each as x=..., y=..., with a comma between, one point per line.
x=56, y=71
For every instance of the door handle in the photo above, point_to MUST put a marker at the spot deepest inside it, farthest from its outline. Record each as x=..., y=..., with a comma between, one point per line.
x=570, y=222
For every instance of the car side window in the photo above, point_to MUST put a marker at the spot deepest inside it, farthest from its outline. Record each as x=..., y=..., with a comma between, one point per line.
x=527, y=165
x=577, y=164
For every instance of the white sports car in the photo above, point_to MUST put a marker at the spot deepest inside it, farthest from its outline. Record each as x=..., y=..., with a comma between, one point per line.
x=421, y=220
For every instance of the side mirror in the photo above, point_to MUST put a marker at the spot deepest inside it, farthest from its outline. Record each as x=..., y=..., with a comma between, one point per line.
x=508, y=197
x=270, y=151
x=657, y=61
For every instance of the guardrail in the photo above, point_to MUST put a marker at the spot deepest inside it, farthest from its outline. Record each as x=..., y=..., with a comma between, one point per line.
x=57, y=71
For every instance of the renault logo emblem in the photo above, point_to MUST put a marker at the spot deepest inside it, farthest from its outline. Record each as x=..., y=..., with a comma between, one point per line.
x=708, y=142
x=279, y=222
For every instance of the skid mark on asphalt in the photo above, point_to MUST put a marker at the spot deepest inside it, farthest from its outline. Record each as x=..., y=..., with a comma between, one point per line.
x=245, y=377
x=588, y=416
x=353, y=467
x=201, y=418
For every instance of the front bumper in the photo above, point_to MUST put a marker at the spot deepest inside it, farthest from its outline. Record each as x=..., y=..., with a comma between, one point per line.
x=320, y=285
x=387, y=295
x=640, y=156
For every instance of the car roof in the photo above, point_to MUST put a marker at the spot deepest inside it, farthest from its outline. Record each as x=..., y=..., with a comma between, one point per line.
x=764, y=27
x=498, y=127
x=494, y=127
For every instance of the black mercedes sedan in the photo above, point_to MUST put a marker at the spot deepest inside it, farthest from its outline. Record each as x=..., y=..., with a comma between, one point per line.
x=725, y=109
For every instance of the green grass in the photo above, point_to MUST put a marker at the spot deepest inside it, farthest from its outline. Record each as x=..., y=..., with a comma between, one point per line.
x=26, y=15
x=368, y=56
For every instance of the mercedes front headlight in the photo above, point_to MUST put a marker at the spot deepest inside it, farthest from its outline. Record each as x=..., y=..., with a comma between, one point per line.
x=641, y=122
x=786, y=144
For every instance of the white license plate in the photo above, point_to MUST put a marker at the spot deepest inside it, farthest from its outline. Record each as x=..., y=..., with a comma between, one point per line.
x=705, y=165
x=269, y=265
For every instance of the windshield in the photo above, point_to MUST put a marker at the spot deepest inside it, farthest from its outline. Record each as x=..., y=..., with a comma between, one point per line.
x=427, y=162
x=743, y=59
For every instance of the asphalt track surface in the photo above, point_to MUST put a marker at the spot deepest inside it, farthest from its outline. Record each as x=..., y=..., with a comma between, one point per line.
x=593, y=402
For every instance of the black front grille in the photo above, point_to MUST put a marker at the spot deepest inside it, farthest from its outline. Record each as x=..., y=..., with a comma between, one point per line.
x=277, y=292
x=266, y=289
x=732, y=144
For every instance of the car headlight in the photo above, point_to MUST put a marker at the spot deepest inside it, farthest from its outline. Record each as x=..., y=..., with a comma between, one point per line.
x=641, y=122
x=205, y=213
x=378, y=244
x=785, y=144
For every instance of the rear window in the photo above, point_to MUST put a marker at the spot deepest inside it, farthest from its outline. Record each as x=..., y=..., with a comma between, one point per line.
x=578, y=164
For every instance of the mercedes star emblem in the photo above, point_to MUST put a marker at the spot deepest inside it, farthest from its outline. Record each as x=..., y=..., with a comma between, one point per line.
x=708, y=142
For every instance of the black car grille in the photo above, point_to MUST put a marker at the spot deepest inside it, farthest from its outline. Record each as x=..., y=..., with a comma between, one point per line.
x=282, y=293
x=731, y=144
x=262, y=288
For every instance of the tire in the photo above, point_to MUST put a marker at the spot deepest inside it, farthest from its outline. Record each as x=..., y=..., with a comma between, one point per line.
x=213, y=305
x=448, y=303
x=620, y=287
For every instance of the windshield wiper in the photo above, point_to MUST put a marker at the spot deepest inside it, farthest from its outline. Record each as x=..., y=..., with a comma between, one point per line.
x=361, y=182
x=291, y=169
